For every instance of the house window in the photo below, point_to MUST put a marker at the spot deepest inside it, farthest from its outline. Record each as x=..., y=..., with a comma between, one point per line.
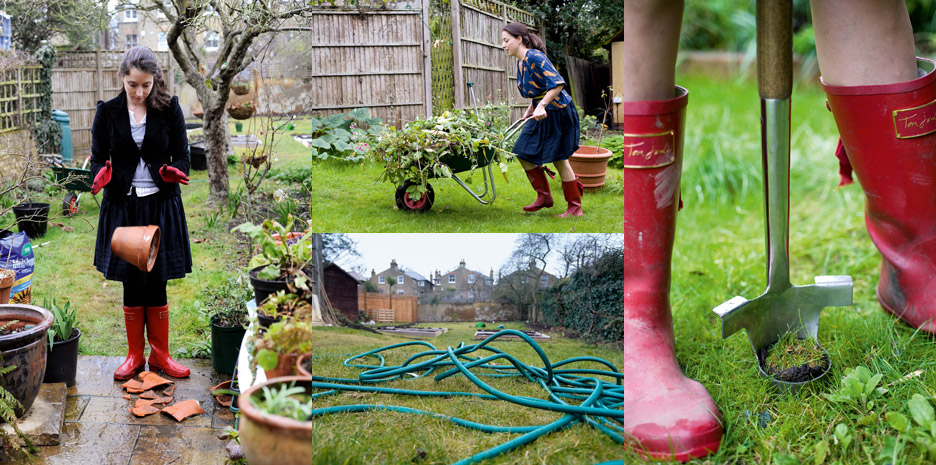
x=471, y=279
x=399, y=291
x=451, y=279
x=381, y=280
x=130, y=15
x=162, y=45
x=544, y=279
x=212, y=41
x=437, y=282
x=523, y=279
x=132, y=41
x=399, y=279
x=422, y=284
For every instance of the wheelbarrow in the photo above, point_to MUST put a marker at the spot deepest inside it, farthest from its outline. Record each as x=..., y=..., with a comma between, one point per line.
x=458, y=164
x=75, y=181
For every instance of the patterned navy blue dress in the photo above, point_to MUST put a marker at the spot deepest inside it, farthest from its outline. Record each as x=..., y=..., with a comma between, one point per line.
x=555, y=137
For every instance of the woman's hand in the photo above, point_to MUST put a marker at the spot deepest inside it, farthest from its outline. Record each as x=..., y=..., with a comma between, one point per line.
x=529, y=112
x=539, y=113
x=103, y=177
x=173, y=174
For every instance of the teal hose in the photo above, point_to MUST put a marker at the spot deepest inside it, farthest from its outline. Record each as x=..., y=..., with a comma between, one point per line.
x=593, y=400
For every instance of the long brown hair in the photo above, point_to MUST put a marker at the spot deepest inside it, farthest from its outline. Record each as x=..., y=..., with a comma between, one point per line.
x=529, y=39
x=143, y=59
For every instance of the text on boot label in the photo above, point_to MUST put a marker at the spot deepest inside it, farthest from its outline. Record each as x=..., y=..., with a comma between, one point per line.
x=915, y=122
x=643, y=151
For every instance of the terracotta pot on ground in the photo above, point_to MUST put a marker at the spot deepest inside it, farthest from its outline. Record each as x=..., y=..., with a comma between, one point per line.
x=300, y=370
x=137, y=245
x=26, y=349
x=590, y=164
x=271, y=439
x=7, y=277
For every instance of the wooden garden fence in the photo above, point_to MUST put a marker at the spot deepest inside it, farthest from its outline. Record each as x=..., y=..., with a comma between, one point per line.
x=79, y=80
x=376, y=305
x=19, y=110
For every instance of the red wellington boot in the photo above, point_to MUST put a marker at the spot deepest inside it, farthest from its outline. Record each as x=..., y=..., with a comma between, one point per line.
x=572, y=190
x=889, y=135
x=134, y=320
x=157, y=330
x=668, y=415
x=537, y=177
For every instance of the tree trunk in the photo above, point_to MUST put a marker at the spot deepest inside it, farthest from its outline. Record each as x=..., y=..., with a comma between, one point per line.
x=216, y=144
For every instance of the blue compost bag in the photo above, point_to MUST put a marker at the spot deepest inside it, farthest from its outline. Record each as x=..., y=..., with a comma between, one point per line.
x=16, y=254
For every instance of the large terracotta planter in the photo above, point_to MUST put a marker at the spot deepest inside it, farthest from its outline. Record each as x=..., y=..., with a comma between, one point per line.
x=26, y=350
x=270, y=439
x=590, y=164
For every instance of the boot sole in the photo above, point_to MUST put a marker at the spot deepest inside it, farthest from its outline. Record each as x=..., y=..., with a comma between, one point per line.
x=684, y=456
x=888, y=309
x=154, y=367
x=132, y=374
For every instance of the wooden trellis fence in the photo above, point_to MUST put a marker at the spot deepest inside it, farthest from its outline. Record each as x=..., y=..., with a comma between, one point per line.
x=19, y=111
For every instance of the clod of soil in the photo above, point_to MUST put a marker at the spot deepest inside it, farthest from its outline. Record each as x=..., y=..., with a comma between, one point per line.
x=794, y=360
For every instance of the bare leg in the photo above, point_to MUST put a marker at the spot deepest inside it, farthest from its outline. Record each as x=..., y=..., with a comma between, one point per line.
x=647, y=51
x=526, y=165
x=863, y=42
x=565, y=170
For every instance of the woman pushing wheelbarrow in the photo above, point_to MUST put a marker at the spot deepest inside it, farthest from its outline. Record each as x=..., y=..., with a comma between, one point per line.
x=553, y=136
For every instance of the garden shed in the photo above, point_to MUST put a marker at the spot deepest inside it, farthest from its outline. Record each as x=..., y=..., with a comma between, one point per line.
x=341, y=288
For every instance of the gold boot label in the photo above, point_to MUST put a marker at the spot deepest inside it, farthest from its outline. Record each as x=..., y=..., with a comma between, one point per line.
x=642, y=151
x=916, y=121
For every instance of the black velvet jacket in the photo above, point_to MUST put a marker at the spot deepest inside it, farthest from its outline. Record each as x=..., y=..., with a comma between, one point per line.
x=164, y=143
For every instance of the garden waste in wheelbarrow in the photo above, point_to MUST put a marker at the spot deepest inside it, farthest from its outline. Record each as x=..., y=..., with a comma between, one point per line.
x=73, y=180
x=418, y=195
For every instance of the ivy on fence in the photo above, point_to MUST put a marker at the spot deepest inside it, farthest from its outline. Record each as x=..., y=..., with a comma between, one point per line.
x=589, y=301
x=47, y=131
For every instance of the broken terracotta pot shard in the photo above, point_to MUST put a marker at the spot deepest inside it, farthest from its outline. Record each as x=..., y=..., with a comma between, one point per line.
x=183, y=410
x=144, y=410
x=152, y=380
x=169, y=390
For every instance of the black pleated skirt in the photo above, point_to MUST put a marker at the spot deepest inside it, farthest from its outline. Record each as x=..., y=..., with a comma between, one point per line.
x=174, y=258
x=552, y=139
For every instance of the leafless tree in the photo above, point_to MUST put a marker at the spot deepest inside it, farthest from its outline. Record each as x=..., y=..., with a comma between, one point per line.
x=578, y=251
x=521, y=275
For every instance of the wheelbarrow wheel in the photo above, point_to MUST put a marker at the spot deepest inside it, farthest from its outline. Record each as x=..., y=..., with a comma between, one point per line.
x=407, y=203
x=70, y=204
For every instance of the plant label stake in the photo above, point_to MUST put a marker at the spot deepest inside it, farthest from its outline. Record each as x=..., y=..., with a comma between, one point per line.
x=782, y=308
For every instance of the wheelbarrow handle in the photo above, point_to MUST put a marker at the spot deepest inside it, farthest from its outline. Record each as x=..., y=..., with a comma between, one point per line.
x=516, y=126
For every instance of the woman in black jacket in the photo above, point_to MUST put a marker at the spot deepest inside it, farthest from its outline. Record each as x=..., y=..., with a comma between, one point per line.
x=139, y=156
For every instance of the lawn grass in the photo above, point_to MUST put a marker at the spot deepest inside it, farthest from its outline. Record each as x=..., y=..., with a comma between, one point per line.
x=719, y=253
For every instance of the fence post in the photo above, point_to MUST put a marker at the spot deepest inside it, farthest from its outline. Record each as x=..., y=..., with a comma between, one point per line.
x=427, y=59
x=507, y=70
x=18, y=121
x=98, y=74
x=456, y=55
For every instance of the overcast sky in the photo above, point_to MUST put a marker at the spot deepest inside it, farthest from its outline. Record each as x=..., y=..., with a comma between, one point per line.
x=425, y=253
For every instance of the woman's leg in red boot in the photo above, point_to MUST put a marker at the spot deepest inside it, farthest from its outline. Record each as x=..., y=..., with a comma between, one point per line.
x=882, y=99
x=134, y=320
x=157, y=332
x=669, y=416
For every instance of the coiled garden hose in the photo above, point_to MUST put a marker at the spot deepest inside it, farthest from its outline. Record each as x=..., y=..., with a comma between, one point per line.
x=594, y=400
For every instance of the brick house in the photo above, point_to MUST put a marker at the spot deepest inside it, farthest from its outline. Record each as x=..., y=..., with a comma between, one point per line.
x=407, y=282
x=464, y=281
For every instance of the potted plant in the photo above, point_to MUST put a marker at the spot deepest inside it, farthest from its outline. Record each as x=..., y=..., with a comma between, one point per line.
x=590, y=162
x=62, y=360
x=273, y=427
x=23, y=330
x=241, y=111
x=240, y=87
x=278, y=348
x=289, y=306
x=226, y=307
x=281, y=262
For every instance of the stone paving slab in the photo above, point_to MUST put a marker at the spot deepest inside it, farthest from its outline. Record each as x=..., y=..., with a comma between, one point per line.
x=43, y=422
x=99, y=429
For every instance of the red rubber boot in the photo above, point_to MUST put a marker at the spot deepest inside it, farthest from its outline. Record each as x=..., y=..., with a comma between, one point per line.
x=157, y=330
x=134, y=320
x=537, y=177
x=668, y=416
x=572, y=190
x=887, y=134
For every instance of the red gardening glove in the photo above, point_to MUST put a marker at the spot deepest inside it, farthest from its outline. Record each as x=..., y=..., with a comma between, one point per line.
x=103, y=177
x=172, y=174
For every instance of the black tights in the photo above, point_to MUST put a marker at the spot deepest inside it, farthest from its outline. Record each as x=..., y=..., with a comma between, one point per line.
x=151, y=294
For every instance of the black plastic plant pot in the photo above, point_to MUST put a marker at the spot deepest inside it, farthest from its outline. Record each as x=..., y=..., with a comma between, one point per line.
x=32, y=218
x=62, y=360
x=264, y=287
x=225, y=347
x=266, y=321
x=792, y=387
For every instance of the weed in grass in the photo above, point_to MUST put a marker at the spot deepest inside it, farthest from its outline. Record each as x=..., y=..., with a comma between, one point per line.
x=921, y=431
x=859, y=390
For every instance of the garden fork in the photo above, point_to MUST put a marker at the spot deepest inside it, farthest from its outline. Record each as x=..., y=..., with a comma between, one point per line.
x=783, y=307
